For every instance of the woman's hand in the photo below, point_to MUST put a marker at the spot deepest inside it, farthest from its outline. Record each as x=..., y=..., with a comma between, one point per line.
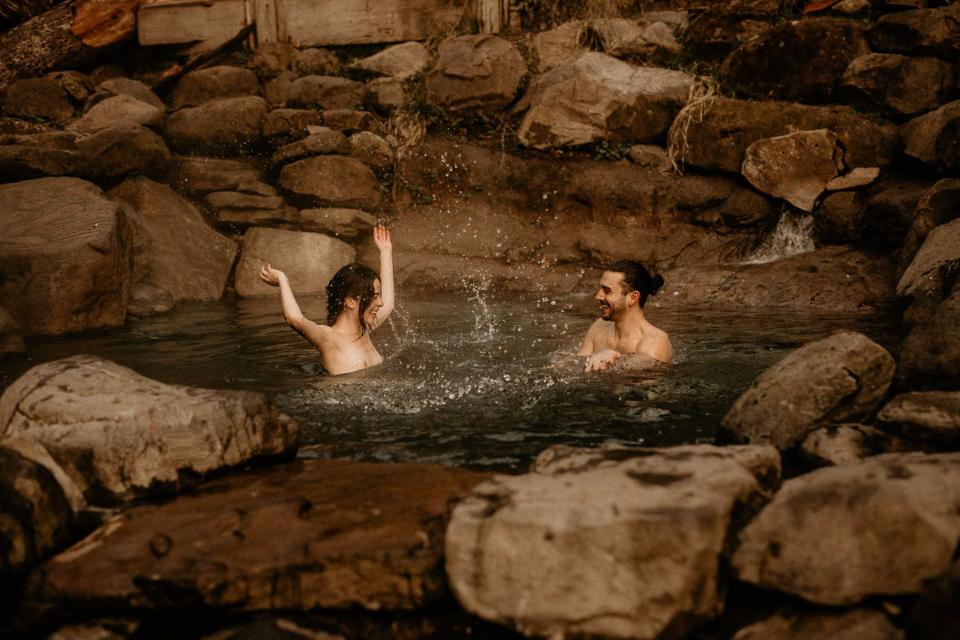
x=602, y=360
x=381, y=237
x=271, y=276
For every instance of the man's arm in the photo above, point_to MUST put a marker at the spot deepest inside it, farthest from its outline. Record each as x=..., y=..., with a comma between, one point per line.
x=589, y=341
x=659, y=349
x=381, y=237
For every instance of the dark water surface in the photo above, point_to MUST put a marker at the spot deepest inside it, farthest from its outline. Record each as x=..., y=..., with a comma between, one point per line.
x=467, y=379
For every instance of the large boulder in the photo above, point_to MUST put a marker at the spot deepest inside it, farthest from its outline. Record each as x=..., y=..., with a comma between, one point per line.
x=798, y=60
x=198, y=176
x=902, y=85
x=342, y=223
x=229, y=126
x=939, y=205
x=372, y=150
x=286, y=125
x=841, y=534
x=838, y=218
x=123, y=149
x=724, y=26
x=475, y=72
x=330, y=181
x=38, y=98
x=720, y=138
x=214, y=83
x=117, y=109
x=325, y=92
x=401, y=61
x=935, y=615
x=597, y=97
x=316, y=61
x=628, y=549
x=119, y=435
x=308, y=259
x=65, y=256
x=889, y=209
x=176, y=250
x=856, y=624
x=930, y=356
x=923, y=31
x=796, y=167
x=28, y=158
x=132, y=88
x=317, y=534
x=849, y=443
x=931, y=417
x=839, y=378
x=934, y=137
x=933, y=269
x=558, y=45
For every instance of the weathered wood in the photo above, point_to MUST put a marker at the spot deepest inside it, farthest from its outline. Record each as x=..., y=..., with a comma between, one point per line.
x=183, y=21
x=265, y=15
x=492, y=16
x=341, y=22
x=200, y=59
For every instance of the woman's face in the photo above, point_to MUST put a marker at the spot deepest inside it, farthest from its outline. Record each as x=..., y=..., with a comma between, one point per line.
x=370, y=313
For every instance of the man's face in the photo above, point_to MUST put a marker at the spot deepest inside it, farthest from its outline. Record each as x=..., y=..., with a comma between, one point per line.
x=370, y=314
x=611, y=297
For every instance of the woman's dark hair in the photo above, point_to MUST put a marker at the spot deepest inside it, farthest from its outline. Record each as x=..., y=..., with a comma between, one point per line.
x=356, y=281
x=637, y=278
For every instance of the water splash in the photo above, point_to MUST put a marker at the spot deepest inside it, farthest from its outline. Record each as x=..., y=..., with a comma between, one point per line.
x=793, y=235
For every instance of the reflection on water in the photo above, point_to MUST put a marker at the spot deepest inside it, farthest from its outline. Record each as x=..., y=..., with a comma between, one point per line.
x=467, y=380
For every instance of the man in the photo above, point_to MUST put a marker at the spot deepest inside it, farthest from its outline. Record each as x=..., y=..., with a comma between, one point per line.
x=622, y=327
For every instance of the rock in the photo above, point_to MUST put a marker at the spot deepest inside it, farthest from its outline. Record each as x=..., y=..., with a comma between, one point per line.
x=176, y=250
x=37, y=519
x=856, y=624
x=851, y=7
x=931, y=417
x=132, y=88
x=270, y=59
x=321, y=141
x=796, y=167
x=372, y=150
x=387, y=94
x=934, y=617
x=889, y=211
x=117, y=109
x=38, y=98
x=401, y=61
x=929, y=272
x=316, y=62
x=919, y=32
x=342, y=223
x=26, y=162
x=841, y=534
x=934, y=138
x=277, y=90
x=105, y=72
x=330, y=534
x=745, y=208
x=308, y=259
x=237, y=200
x=229, y=126
x=539, y=553
x=214, y=83
x=939, y=205
x=820, y=50
x=899, y=84
x=256, y=188
x=245, y=209
x=198, y=176
x=325, y=92
x=283, y=126
x=78, y=86
x=721, y=28
x=11, y=336
x=648, y=155
x=147, y=299
x=100, y=629
x=930, y=356
x=125, y=149
x=597, y=97
x=348, y=121
x=16, y=126
x=720, y=139
x=330, y=181
x=848, y=443
x=32, y=450
x=858, y=177
x=838, y=218
x=475, y=72
x=629, y=39
x=64, y=257
x=558, y=45
x=841, y=377
x=119, y=435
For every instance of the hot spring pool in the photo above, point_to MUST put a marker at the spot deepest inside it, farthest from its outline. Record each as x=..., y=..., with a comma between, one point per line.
x=467, y=379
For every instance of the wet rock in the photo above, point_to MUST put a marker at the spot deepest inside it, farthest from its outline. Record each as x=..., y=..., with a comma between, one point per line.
x=728, y=127
x=176, y=250
x=745, y=208
x=38, y=98
x=930, y=356
x=37, y=519
x=934, y=617
x=245, y=209
x=372, y=150
x=302, y=536
x=214, y=83
x=65, y=256
x=283, y=126
x=820, y=50
x=856, y=624
x=270, y=59
x=939, y=205
x=558, y=45
x=838, y=218
x=539, y=552
x=889, y=211
x=858, y=177
x=198, y=176
x=342, y=223
x=330, y=181
x=148, y=299
x=841, y=534
x=723, y=27
x=841, y=377
x=320, y=141
x=597, y=97
x=387, y=94
x=902, y=85
x=932, y=270
x=348, y=121
x=119, y=435
x=308, y=259
x=934, y=137
x=231, y=126
x=848, y=443
x=117, y=109
x=401, y=61
x=316, y=62
x=133, y=89
x=475, y=72
x=796, y=167
x=125, y=149
x=11, y=336
x=325, y=92
x=930, y=417
x=923, y=31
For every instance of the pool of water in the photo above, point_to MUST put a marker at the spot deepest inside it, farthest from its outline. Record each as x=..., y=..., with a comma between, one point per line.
x=468, y=379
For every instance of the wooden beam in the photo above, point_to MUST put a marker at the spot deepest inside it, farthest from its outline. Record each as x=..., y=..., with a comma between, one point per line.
x=342, y=22
x=183, y=21
x=492, y=16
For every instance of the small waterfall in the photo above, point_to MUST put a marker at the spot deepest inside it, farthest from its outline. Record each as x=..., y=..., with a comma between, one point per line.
x=792, y=235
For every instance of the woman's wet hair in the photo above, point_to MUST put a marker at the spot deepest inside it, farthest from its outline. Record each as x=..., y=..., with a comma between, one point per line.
x=636, y=277
x=355, y=281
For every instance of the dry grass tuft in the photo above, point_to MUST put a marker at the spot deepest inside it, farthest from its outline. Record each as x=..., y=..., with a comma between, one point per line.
x=702, y=95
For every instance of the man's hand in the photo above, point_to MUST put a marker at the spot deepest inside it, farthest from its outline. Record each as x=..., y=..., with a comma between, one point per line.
x=602, y=360
x=271, y=276
x=381, y=237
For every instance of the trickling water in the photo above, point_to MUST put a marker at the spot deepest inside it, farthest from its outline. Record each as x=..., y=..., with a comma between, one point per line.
x=792, y=235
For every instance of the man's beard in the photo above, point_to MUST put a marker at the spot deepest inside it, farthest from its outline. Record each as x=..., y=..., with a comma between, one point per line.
x=606, y=312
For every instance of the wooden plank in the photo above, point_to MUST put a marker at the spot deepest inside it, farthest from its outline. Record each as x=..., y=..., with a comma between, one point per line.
x=265, y=15
x=492, y=16
x=182, y=21
x=342, y=22
x=99, y=23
